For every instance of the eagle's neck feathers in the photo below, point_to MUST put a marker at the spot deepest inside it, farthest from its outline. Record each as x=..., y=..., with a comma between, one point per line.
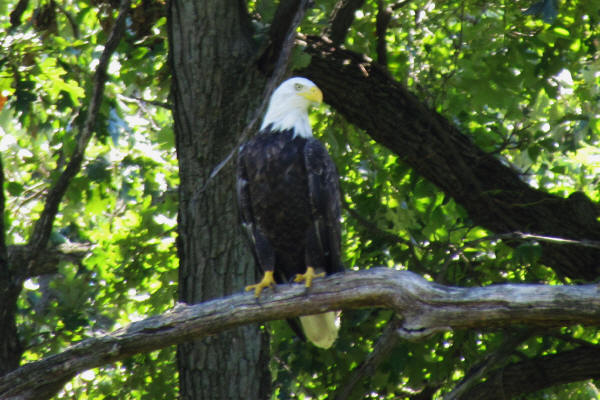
x=279, y=119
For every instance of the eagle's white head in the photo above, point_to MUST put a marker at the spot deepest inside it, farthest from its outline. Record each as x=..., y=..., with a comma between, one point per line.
x=288, y=107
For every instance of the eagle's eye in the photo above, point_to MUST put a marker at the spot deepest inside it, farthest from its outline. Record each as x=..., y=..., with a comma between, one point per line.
x=298, y=86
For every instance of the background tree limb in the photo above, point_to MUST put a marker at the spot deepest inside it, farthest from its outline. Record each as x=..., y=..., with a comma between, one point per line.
x=493, y=193
x=48, y=259
x=425, y=308
x=538, y=373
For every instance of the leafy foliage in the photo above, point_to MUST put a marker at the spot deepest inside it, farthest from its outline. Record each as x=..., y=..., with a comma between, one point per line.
x=123, y=203
x=521, y=78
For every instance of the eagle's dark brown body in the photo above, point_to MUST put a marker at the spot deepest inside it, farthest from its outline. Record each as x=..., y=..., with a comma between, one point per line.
x=288, y=197
x=288, y=193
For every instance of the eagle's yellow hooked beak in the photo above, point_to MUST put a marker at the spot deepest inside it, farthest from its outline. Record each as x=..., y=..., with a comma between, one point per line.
x=313, y=94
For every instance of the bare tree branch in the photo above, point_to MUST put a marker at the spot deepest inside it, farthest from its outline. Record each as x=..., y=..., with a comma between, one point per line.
x=425, y=308
x=138, y=99
x=43, y=226
x=288, y=17
x=398, y=5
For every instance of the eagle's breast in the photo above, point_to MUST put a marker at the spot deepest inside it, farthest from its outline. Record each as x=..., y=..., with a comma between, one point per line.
x=279, y=188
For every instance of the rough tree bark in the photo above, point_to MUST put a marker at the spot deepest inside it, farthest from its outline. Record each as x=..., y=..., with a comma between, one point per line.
x=213, y=92
x=494, y=194
x=219, y=80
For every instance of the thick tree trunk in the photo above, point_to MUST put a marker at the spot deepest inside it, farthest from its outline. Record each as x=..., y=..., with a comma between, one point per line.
x=214, y=91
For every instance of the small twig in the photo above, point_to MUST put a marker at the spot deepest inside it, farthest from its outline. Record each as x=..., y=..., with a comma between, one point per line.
x=72, y=22
x=142, y=104
x=550, y=239
x=372, y=227
x=32, y=193
x=531, y=236
x=157, y=103
x=509, y=143
x=282, y=363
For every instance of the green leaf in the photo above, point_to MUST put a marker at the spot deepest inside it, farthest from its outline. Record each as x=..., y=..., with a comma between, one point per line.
x=527, y=253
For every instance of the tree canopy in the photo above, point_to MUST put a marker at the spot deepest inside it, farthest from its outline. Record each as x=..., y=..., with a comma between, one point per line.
x=466, y=135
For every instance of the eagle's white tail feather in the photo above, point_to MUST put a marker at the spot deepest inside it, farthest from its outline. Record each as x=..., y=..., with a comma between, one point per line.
x=321, y=329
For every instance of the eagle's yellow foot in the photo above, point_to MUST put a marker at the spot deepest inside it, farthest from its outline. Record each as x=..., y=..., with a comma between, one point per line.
x=308, y=276
x=267, y=281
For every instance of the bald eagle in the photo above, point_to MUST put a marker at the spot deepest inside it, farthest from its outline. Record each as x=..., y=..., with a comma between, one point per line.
x=288, y=197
